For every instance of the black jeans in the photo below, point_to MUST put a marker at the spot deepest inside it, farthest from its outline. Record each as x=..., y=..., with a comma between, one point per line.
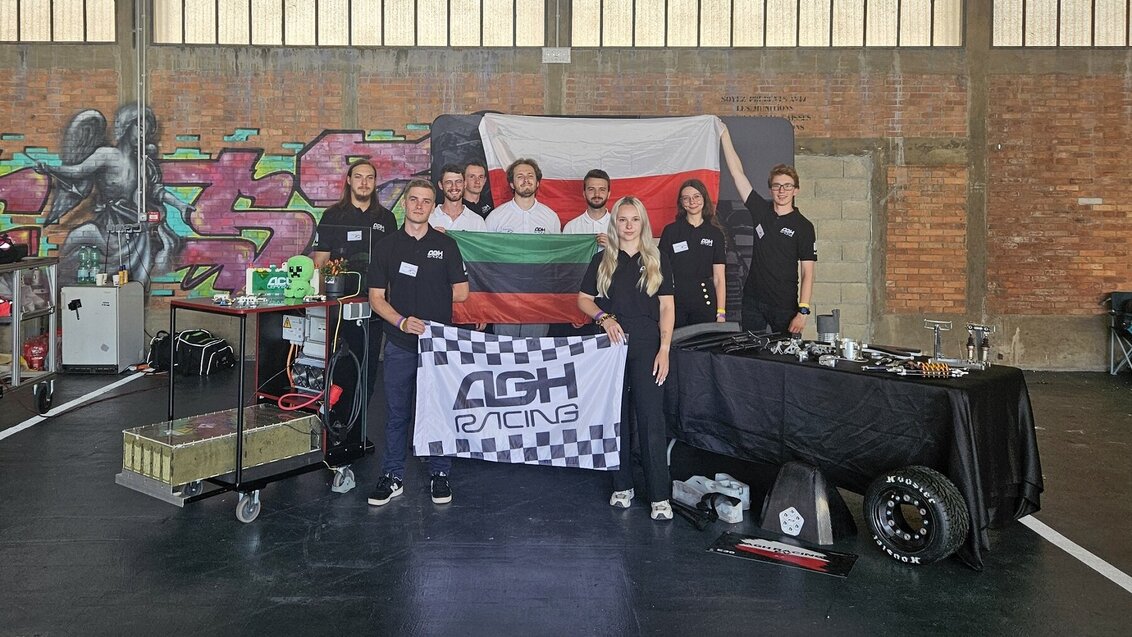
x=646, y=399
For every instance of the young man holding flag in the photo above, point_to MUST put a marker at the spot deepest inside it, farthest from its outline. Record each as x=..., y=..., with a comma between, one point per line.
x=524, y=214
x=416, y=277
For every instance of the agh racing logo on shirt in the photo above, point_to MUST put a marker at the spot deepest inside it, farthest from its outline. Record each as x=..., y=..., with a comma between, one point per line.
x=380, y=227
x=436, y=254
x=787, y=231
x=707, y=242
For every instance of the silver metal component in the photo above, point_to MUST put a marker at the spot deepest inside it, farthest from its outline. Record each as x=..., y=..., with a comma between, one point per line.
x=938, y=327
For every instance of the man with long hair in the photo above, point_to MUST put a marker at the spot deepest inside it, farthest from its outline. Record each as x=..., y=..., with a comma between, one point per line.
x=350, y=229
x=776, y=296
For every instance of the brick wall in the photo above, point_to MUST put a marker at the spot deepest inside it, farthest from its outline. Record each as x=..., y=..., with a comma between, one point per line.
x=1054, y=139
x=871, y=104
x=926, y=256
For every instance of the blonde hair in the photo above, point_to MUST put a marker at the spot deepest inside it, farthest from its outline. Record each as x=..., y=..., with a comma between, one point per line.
x=651, y=276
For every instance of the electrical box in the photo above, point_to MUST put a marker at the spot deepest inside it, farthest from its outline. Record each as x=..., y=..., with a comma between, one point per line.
x=103, y=327
x=294, y=329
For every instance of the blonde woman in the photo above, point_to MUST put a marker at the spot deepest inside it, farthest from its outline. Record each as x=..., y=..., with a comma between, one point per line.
x=627, y=290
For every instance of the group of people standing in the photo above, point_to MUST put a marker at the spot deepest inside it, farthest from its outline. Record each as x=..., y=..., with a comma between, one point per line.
x=634, y=287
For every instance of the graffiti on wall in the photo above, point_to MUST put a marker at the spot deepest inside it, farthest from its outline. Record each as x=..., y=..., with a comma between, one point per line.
x=206, y=217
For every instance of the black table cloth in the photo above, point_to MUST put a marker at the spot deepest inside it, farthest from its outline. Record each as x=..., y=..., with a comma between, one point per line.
x=977, y=430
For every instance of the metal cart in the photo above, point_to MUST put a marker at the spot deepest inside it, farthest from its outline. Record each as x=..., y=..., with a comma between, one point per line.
x=148, y=471
x=31, y=287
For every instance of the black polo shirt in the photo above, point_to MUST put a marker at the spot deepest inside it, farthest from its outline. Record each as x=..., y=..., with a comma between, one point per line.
x=693, y=252
x=624, y=299
x=780, y=242
x=483, y=207
x=345, y=231
x=417, y=276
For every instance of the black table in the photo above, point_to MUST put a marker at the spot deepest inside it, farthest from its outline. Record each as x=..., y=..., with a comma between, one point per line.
x=977, y=430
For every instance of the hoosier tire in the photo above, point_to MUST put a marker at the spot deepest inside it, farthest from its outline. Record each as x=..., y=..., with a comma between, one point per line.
x=916, y=515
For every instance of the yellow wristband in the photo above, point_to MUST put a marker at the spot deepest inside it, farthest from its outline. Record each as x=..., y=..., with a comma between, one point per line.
x=803, y=305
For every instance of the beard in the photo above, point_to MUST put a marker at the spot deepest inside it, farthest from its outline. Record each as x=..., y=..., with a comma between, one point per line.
x=598, y=202
x=526, y=192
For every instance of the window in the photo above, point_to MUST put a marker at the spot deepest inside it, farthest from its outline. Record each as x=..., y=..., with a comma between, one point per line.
x=767, y=23
x=1053, y=23
x=471, y=23
x=57, y=21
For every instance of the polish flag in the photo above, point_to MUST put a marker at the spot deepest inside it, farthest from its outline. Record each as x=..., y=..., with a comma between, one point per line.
x=645, y=158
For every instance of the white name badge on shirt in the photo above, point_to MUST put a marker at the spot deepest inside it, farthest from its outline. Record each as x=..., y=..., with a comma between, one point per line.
x=354, y=235
x=759, y=230
x=680, y=247
x=408, y=269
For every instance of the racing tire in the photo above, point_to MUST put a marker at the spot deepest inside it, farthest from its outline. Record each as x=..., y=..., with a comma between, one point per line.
x=916, y=515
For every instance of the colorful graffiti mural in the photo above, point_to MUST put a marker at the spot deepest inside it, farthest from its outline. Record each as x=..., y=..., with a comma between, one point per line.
x=208, y=216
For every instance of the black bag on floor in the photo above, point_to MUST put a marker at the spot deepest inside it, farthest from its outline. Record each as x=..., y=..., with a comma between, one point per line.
x=199, y=353
x=158, y=357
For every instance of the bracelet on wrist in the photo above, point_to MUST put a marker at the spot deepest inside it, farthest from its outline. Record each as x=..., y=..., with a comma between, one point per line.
x=597, y=317
x=401, y=323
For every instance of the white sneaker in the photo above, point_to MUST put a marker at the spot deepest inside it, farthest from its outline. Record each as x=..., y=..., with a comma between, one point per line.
x=621, y=499
x=661, y=510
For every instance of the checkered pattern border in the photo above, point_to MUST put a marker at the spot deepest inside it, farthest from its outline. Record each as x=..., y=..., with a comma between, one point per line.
x=443, y=344
x=586, y=447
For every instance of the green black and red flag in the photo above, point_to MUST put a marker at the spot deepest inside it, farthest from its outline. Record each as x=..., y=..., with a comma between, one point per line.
x=523, y=278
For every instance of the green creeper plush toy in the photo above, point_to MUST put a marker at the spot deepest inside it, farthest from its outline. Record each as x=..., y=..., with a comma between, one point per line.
x=300, y=269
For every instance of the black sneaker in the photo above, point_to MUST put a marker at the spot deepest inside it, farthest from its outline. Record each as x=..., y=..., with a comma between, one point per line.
x=388, y=487
x=441, y=490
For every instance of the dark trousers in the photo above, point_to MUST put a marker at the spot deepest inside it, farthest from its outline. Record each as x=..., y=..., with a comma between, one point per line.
x=761, y=317
x=400, y=393
x=695, y=303
x=694, y=314
x=645, y=398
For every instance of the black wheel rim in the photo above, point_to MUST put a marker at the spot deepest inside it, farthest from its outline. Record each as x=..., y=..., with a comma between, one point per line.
x=903, y=520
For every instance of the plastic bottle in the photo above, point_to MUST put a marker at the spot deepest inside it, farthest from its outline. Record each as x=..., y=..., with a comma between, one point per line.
x=92, y=264
x=84, y=265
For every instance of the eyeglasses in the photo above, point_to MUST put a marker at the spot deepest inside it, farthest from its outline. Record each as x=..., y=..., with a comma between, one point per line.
x=783, y=187
x=691, y=199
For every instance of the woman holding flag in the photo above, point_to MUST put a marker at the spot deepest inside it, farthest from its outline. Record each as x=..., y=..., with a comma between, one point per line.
x=627, y=289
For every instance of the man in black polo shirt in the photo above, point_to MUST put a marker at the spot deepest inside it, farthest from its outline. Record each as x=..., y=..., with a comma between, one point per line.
x=416, y=276
x=784, y=246
x=477, y=197
x=349, y=230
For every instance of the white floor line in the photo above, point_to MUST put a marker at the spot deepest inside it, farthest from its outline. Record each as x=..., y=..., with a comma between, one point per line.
x=1119, y=577
x=55, y=411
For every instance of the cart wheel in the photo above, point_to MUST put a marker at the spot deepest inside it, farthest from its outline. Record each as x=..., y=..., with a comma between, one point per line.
x=247, y=509
x=43, y=396
x=343, y=480
x=192, y=488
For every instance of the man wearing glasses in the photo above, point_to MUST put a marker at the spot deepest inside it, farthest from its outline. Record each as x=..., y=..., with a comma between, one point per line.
x=452, y=213
x=776, y=296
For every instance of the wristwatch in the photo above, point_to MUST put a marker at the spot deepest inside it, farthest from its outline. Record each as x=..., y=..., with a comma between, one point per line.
x=803, y=310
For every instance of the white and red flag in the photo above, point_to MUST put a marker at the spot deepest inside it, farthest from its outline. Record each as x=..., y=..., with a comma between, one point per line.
x=645, y=158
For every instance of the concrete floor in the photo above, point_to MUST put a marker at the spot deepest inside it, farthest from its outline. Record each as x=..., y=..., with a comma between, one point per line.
x=522, y=550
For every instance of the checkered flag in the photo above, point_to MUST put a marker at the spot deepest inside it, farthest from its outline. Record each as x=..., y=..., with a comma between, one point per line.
x=549, y=401
x=447, y=344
